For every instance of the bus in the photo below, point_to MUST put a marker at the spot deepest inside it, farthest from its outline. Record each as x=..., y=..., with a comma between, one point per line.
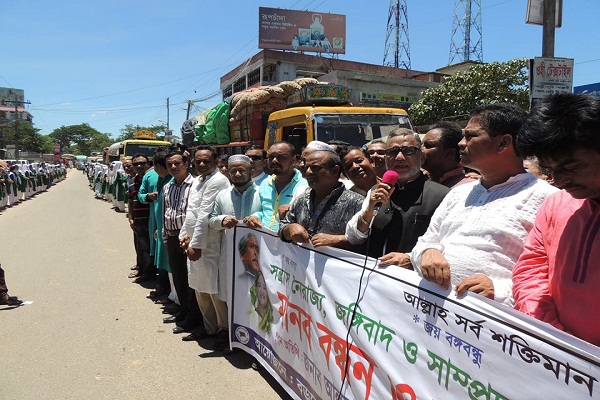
x=144, y=142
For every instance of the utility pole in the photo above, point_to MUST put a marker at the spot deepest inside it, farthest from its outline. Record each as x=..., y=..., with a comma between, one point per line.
x=17, y=103
x=549, y=28
x=168, y=130
x=189, y=109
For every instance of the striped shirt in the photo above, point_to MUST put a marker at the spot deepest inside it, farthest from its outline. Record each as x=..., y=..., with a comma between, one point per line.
x=175, y=204
x=139, y=211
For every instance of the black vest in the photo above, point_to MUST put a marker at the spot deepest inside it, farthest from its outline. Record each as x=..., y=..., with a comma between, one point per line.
x=405, y=217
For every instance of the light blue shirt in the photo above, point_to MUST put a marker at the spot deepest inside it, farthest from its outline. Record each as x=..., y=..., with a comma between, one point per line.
x=271, y=200
x=231, y=202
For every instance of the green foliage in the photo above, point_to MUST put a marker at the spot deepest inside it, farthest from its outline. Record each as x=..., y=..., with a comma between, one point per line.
x=29, y=138
x=129, y=130
x=80, y=139
x=506, y=82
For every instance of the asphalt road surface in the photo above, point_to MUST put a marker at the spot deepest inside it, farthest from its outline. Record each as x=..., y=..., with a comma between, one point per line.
x=90, y=333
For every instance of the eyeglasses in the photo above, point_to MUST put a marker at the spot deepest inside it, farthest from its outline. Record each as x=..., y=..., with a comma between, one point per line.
x=256, y=158
x=381, y=152
x=139, y=164
x=406, y=151
x=243, y=171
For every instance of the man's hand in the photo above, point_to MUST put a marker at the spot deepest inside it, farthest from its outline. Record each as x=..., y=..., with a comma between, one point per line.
x=478, y=283
x=229, y=222
x=131, y=224
x=295, y=233
x=152, y=196
x=184, y=242
x=326, y=239
x=193, y=254
x=435, y=268
x=282, y=211
x=253, y=222
x=398, y=259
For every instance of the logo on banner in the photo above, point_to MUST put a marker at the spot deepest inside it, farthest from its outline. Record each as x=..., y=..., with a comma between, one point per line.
x=242, y=335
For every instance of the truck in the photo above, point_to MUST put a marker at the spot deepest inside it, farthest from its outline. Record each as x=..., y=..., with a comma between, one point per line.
x=312, y=111
x=143, y=142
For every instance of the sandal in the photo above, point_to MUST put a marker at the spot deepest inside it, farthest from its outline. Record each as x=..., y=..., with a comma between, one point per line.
x=134, y=274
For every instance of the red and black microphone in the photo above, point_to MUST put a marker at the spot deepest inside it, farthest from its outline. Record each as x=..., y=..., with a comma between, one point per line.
x=389, y=178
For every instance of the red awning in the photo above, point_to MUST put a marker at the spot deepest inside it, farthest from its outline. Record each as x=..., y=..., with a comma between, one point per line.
x=12, y=109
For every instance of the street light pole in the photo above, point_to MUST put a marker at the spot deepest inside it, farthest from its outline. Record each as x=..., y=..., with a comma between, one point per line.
x=549, y=28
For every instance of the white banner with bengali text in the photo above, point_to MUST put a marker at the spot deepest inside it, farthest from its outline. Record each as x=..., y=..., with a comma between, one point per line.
x=328, y=324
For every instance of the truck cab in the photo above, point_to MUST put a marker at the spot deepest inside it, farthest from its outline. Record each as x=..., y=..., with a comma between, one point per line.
x=355, y=125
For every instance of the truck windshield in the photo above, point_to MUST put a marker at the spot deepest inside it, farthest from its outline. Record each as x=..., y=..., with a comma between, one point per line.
x=357, y=129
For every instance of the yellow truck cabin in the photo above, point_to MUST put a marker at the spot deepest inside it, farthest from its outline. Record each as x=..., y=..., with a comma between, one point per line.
x=355, y=125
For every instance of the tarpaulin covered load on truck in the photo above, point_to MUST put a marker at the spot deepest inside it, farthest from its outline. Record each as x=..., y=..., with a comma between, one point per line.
x=215, y=128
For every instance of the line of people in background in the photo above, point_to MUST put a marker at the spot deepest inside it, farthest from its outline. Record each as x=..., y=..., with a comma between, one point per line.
x=20, y=182
x=461, y=214
x=109, y=183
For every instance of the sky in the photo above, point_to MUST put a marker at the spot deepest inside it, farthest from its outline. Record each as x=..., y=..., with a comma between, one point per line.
x=110, y=63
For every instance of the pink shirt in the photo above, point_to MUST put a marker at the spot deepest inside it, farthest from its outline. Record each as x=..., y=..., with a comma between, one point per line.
x=557, y=278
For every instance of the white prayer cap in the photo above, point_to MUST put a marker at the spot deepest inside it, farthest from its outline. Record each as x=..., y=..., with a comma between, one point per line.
x=238, y=158
x=317, y=145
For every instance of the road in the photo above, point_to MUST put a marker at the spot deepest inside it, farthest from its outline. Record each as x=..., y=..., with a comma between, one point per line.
x=90, y=333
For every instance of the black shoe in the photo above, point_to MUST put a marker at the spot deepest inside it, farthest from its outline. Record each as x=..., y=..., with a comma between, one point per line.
x=187, y=325
x=222, y=340
x=144, y=278
x=179, y=329
x=197, y=334
x=170, y=310
x=189, y=338
x=175, y=318
x=11, y=301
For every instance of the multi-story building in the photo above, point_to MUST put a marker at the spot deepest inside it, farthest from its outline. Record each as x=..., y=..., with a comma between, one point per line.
x=12, y=112
x=370, y=84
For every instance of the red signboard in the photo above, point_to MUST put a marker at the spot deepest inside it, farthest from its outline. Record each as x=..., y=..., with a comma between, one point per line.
x=301, y=30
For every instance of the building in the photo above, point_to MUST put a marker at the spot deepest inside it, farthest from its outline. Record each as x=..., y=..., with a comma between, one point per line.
x=12, y=112
x=370, y=84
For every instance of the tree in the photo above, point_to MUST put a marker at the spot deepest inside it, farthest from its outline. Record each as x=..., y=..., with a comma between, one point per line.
x=28, y=136
x=96, y=142
x=80, y=139
x=129, y=130
x=506, y=82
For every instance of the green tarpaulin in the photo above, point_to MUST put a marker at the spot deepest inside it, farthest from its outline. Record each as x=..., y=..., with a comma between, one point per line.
x=215, y=129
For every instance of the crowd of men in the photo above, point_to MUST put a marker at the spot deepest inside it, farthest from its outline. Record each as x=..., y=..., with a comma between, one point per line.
x=20, y=182
x=463, y=212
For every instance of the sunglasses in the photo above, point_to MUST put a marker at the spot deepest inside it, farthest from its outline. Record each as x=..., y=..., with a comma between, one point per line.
x=405, y=150
x=256, y=158
x=381, y=152
x=139, y=164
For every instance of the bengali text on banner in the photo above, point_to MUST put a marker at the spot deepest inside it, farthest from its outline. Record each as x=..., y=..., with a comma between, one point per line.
x=325, y=330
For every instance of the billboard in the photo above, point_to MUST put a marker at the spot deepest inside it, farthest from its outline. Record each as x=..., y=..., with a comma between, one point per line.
x=283, y=29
